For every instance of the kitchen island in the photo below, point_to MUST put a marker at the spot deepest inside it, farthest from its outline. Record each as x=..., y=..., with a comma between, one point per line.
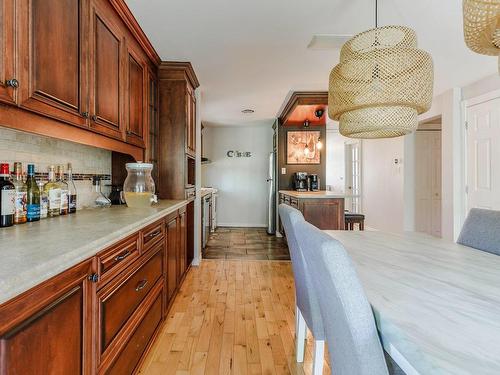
x=324, y=209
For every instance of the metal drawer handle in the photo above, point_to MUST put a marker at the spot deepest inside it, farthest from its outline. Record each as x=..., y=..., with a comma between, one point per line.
x=141, y=285
x=154, y=234
x=122, y=256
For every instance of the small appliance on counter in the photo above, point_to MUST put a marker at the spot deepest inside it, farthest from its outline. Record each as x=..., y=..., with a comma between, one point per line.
x=139, y=187
x=300, y=181
x=313, y=182
x=116, y=195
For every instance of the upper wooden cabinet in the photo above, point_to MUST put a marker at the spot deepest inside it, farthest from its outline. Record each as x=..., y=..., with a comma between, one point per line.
x=191, y=122
x=8, y=79
x=53, y=76
x=106, y=72
x=137, y=103
x=81, y=62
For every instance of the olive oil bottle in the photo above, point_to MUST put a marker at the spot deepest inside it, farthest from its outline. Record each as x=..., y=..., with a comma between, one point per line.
x=53, y=190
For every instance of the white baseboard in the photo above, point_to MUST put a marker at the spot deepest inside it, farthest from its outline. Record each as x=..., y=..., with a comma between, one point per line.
x=241, y=225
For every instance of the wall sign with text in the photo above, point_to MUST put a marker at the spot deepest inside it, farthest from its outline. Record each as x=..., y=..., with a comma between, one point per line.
x=239, y=154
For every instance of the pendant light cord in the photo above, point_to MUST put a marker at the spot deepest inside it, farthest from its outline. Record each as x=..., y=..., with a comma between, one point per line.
x=376, y=13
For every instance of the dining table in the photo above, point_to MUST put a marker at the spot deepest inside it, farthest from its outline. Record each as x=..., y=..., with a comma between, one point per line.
x=436, y=303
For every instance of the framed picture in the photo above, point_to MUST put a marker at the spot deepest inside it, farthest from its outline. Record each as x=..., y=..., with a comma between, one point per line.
x=301, y=147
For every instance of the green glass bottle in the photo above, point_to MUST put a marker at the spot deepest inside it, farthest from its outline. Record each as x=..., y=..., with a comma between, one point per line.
x=33, y=196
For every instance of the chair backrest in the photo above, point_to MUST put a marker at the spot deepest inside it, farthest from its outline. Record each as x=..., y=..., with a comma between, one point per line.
x=307, y=300
x=353, y=341
x=481, y=230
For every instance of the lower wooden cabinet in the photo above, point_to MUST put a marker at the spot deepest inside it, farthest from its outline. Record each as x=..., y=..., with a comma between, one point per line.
x=48, y=329
x=89, y=321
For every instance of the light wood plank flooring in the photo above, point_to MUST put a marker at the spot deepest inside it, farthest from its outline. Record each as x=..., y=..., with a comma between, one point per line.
x=231, y=317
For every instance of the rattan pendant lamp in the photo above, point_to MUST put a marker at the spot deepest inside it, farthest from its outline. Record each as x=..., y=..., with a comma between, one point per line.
x=482, y=26
x=382, y=83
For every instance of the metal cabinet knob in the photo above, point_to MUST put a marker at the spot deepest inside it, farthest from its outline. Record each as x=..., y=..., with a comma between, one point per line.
x=14, y=83
x=94, y=277
x=85, y=114
x=94, y=118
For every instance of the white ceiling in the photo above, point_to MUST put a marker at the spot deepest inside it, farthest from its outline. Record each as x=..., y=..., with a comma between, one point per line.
x=252, y=53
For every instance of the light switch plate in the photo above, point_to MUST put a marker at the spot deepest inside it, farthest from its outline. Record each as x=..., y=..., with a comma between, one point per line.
x=283, y=170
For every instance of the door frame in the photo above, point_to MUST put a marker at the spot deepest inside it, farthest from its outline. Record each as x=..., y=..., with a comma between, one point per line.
x=465, y=105
x=348, y=171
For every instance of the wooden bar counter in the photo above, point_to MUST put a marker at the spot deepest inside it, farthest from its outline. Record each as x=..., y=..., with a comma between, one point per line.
x=324, y=209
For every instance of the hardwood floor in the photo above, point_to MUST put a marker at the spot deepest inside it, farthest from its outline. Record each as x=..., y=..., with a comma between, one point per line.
x=231, y=317
x=245, y=243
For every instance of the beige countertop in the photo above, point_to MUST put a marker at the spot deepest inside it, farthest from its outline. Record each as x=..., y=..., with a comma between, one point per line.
x=34, y=252
x=322, y=194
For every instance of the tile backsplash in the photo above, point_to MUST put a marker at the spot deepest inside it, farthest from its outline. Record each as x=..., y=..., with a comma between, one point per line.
x=44, y=151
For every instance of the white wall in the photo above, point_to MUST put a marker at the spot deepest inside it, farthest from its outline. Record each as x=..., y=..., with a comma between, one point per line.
x=383, y=183
x=241, y=181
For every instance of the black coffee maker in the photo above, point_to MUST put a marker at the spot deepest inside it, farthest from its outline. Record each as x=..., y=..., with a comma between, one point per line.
x=313, y=182
x=300, y=181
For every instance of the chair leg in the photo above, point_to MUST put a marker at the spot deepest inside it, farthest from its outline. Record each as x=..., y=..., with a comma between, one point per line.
x=301, y=334
x=318, y=357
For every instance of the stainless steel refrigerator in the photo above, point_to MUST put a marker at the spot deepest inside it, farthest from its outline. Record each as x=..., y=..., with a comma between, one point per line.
x=271, y=201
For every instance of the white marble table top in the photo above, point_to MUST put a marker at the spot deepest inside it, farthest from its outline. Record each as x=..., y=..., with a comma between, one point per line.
x=34, y=252
x=436, y=303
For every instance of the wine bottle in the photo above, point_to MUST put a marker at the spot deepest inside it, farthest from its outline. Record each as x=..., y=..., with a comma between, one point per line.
x=32, y=196
x=7, y=197
x=21, y=190
x=71, y=190
x=53, y=190
x=64, y=190
x=44, y=201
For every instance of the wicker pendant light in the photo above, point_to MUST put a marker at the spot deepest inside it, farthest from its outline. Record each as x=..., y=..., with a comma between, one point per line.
x=482, y=26
x=381, y=85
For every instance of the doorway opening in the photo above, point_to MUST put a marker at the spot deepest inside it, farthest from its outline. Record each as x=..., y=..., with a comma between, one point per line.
x=428, y=177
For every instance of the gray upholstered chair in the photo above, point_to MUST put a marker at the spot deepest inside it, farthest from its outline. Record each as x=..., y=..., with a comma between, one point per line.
x=307, y=306
x=353, y=341
x=481, y=230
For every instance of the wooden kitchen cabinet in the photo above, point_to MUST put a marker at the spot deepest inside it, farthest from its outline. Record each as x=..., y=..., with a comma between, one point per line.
x=53, y=56
x=106, y=72
x=191, y=122
x=172, y=232
x=8, y=77
x=48, y=329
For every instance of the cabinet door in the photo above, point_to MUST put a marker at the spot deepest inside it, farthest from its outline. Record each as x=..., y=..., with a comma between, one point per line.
x=106, y=73
x=181, y=257
x=53, y=53
x=8, y=79
x=136, y=97
x=172, y=250
x=48, y=330
x=191, y=123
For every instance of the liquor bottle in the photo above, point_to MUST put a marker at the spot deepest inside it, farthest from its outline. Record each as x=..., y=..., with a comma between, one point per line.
x=71, y=190
x=21, y=190
x=53, y=190
x=64, y=190
x=7, y=197
x=44, y=201
x=32, y=196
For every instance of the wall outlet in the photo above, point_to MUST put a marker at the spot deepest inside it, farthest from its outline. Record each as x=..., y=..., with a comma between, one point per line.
x=283, y=170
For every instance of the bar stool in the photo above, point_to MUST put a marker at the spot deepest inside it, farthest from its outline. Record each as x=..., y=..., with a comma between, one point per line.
x=351, y=219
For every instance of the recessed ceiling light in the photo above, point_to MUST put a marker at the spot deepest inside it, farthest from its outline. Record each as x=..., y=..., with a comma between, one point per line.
x=248, y=111
x=328, y=41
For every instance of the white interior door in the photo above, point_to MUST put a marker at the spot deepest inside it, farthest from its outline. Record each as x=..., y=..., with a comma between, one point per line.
x=353, y=177
x=483, y=154
x=428, y=182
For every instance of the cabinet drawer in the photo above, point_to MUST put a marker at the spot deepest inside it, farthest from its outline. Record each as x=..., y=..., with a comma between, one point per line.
x=152, y=235
x=119, y=256
x=132, y=352
x=118, y=302
x=294, y=202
